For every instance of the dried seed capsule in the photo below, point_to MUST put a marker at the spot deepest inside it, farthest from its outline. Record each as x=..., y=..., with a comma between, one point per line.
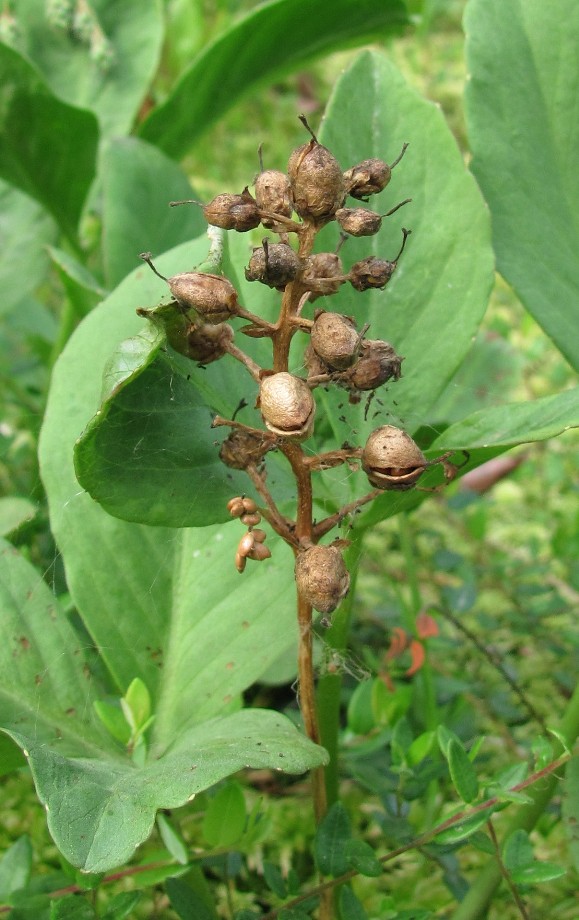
x=335, y=340
x=323, y=274
x=373, y=272
x=244, y=448
x=316, y=180
x=370, y=176
x=249, y=505
x=274, y=264
x=212, y=296
x=259, y=552
x=287, y=405
x=392, y=460
x=246, y=544
x=233, y=212
x=273, y=194
x=378, y=363
x=250, y=519
x=321, y=577
x=358, y=221
x=235, y=506
x=207, y=342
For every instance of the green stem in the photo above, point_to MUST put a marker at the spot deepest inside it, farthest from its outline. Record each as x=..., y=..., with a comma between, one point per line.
x=330, y=685
x=476, y=902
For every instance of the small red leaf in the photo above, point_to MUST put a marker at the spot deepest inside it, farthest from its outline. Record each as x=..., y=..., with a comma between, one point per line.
x=426, y=626
x=418, y=655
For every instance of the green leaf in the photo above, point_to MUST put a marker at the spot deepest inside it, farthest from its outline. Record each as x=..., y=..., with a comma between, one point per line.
x=349, y=905
x=362, y=857
x=293, y=914
x=112, y=84
x=537, y=873
x=524, y=136
x=225, y=817
x=186, y=903
x=514, y=423
x=15, y=512
x=331, y=840
x=269, y=41
x=26, y=231
x=113, y=719
x=121, y=905
x=464, y=829
x=15, y=867
x=48, y=148
x=173, y=840
x=462, y=771
x=571, y=808
x=138, y=702
x=100, y=806
x=138, y=184
x=274, y=879
x=431, y=309
x=421, y=747
x=72, y=908
x=360, y=711
x=518, y=850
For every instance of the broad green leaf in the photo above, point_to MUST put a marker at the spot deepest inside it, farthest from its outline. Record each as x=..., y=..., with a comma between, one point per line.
x=331, y=841
x=15, y=866
x=48, y=148
x=269, y=41
x=571, y=808
x=100, y=806
x=225, y=816
x=149, y=453
x=431, y=309
x=138, y=184
x=47, y=687
x=514, y=423
x=349, y=905
x=524, y=135
x=360, y=710
x=462, y=771
x=110, y=78
x=25, y=230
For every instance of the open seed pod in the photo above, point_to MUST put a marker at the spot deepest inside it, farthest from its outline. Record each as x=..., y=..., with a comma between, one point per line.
x=392, y=460
x=212, y=296
x=321, y=577
x=244, y=448
x=287, y=405
x=335, y=340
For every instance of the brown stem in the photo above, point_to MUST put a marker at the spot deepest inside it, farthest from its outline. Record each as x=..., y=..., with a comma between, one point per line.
x=282, y=525
x=505, y=872
x=328, y=523
x=239, y=355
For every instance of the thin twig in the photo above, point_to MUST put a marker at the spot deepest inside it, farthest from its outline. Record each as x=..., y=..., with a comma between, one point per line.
x=505, y=872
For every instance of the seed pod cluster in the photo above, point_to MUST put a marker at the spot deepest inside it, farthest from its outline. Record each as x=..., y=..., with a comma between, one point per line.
x=294, y=206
